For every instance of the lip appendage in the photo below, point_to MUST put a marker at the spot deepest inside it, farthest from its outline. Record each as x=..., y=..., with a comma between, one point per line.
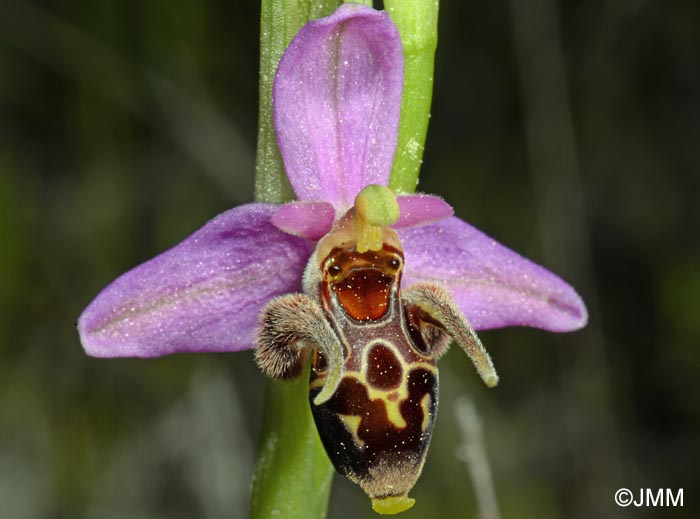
x=374, y=380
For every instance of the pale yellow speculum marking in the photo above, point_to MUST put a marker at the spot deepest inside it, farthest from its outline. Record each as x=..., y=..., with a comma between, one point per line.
x=392, y=405
x=317, y=383
x=352, y=423
x=425, y=406
x=393, y=412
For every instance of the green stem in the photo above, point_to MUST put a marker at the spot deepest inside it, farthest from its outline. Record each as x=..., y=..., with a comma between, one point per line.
x=417, y=24
x=293, y=474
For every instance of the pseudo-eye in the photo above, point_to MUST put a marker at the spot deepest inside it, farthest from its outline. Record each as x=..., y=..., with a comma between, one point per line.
x=374, y=382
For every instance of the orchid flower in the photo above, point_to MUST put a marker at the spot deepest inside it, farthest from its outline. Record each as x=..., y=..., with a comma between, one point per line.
x=374, y=285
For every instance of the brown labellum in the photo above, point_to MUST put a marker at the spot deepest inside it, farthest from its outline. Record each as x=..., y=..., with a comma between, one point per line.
x=374, y=382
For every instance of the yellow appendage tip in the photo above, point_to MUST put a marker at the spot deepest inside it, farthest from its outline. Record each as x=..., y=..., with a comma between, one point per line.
x=392, y=504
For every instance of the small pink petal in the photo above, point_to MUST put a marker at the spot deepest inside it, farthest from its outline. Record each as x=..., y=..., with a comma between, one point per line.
x=310, y=220
x=421, y=209
x=491, y=284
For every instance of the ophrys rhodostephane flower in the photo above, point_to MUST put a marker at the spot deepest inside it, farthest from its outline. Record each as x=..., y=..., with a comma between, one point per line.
x=376, y=286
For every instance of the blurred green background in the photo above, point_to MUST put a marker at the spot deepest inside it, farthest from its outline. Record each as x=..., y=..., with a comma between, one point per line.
x=566, y=130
